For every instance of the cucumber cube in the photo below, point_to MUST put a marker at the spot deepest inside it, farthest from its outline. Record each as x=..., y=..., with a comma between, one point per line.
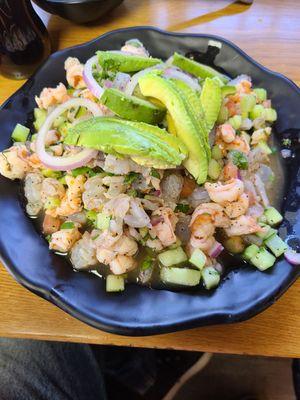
x=270, y=114
x=216, y=152
x=250, y=252
x=102, y=221
x=263, y=259
x=198, y=259
x=20, y=133
x=180, y=276
x=235, y=121
x=264, y=147
x=276, y=245
x=211, y=277
x=261, y=94
x=273, y=216
x=172, y=257
x=267, y=231
x=248, y=102
x=258, y=111
x=39, y=118
x=214, y=169
x=115, y=283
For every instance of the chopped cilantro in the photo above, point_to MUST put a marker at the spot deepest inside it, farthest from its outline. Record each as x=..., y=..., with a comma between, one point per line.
x=239, y=159
x=185, y=208
x=130, y=178
x=147, y=263
x=155, y=173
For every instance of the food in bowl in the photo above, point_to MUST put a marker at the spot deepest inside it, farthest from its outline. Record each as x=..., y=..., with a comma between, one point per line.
x=149, y=171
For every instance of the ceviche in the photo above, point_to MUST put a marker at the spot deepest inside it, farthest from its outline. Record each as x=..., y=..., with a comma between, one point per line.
x=145, y=170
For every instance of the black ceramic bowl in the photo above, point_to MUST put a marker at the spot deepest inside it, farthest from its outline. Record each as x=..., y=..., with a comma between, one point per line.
x=243, y=293
x=79, y=11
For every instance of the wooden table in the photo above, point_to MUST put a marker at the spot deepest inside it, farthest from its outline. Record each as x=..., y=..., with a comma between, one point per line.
x=269, y=30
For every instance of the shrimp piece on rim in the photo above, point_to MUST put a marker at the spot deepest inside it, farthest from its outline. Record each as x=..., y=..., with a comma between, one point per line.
x=122, y=264
x=11, y=165
x=222, y=193
x=64, y=239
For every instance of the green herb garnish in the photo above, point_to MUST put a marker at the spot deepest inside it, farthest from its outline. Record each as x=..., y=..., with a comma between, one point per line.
x=239, y=159
x=147, y=263
x=184, y=208
x=155, y=173
x=130, y=178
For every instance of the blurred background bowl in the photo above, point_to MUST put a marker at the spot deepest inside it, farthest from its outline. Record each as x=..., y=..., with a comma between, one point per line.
x=79, y=11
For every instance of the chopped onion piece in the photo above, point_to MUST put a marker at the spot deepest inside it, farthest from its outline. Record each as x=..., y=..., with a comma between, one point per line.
x=69, y=162
x=135, y=78
x=176, y=74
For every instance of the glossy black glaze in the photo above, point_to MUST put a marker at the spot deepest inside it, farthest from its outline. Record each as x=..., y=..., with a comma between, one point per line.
x=80, y=11
x=243, y=293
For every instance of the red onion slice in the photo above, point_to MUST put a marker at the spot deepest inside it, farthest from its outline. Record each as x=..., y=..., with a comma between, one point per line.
x=182, y=76
x=69, y=162
x=216, y=250
x=89, y=79
x=292, y=257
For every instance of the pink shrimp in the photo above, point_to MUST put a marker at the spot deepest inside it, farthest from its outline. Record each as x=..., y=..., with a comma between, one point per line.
x=239, y=143
x=164, y=228
x=12, y=166
x=52, y=96
x=227, y=192
x=230, y=171
x=236, y=208
x=243, y=225
x=71, y=203
x=64, y=239
x=227, y=133
x=74, y=73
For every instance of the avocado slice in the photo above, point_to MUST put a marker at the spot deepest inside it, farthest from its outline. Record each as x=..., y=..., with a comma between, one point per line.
x=186, y=127
x=136, y=139
x=122, y=62
x=131, y=107
x=196, y=110
x=211, y=100
x=193, y=67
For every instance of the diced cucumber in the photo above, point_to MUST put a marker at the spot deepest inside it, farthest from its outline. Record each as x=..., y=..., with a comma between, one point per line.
x=264, y=147
x=214, y=169
x=180, y=276
x=176, y=244
x=20, y=133
x=270, y=114
x=276, y=245
x=143, y=231
x=261, y=94
x=228, y=90
x=198, y=259
x=67, y=225
x=273, y=216
x=33, y=137
x=248, y=102
x=172, y=257
x=50, y=173
x=91, y=215
x=51, y=202
x=263, y=259
x=257, y=112
x=250, y=252
x=103, y=221
x=234, y=245
x=216, y=152
x=115, y=283
x=39, y=118
x=267, y=231
x=235, y=121
x=211, y=277
x=59, y=121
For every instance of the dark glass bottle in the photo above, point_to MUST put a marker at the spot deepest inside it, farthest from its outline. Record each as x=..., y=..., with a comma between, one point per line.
x=24, y=40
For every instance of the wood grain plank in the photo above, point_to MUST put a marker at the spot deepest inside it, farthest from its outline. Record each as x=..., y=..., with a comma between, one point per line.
x=269, y=31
